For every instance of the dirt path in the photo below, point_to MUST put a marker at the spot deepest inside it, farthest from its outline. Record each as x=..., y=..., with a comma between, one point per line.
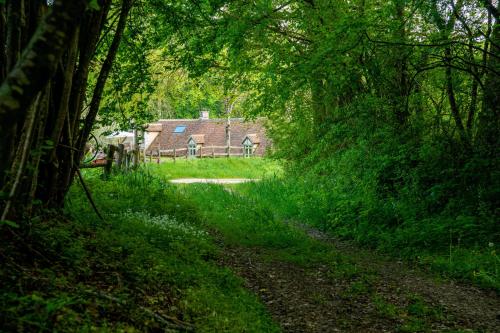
x=383, y=296
x=212, y=180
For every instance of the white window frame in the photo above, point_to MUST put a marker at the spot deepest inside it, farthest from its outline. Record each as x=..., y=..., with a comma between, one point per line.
x=248, y=148
x=192, y=148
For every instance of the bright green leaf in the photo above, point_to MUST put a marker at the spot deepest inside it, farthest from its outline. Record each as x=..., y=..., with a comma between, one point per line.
x=93, y=4
x=9, y=223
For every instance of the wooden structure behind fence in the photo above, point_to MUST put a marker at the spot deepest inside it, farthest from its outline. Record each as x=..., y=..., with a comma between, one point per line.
x=201, y=152
x=124, y=159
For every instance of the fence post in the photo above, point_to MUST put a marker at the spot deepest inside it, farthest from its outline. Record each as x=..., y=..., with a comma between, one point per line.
x=201, y=152
x=135, y=157
x=174, y=154
x=109, y=160
x=119, y=161
x=213, y=152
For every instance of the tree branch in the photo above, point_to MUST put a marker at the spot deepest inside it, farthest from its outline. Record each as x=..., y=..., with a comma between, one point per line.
x=443, y=44
x=103, y=76
x=491, y=9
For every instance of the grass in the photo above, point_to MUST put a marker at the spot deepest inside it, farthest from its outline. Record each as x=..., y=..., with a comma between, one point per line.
x=416, y=312
x=255, y=168
x=274, y=199
x=248, y=223
x=292, y=200
x=153, y=257
x=151, y=266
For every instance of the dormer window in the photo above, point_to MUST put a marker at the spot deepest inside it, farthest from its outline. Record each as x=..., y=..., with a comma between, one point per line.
x=250, y=144
x=195, y=144
x=247, y=148
x=192, y=148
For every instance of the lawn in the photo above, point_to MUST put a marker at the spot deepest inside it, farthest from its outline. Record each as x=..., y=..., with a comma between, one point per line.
x=255, y=168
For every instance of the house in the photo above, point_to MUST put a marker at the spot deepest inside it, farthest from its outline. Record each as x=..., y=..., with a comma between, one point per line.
x=205, y=137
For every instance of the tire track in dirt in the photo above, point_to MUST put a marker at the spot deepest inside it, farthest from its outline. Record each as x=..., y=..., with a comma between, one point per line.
x=392, y=297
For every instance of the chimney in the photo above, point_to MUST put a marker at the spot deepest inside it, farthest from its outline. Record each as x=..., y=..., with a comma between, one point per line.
x=204, y=114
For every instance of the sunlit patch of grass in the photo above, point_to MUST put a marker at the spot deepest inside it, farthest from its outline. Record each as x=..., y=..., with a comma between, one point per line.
x=254, y=168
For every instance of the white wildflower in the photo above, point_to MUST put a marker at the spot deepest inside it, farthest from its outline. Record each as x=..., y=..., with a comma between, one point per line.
x=167, y=223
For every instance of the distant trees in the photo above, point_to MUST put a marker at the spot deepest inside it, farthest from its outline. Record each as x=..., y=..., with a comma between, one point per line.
x=425, y=72
x=393, y=104
x=46, y=107
x=407, y=54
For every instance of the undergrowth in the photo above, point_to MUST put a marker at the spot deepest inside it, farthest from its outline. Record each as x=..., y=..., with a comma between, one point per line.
x=243, y=217
x=246, y=222
x=454, y=247
x=149, y=267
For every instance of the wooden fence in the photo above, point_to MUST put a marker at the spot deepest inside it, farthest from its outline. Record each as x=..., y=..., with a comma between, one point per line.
x=128, y=159
x=124, y=159
x=201, y=152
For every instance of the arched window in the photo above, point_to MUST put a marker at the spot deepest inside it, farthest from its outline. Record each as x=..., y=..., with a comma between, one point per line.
x=192, y=148
x=247, y=148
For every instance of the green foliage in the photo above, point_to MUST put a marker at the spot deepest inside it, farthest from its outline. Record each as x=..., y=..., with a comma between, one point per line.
x=372, y=195
x=415, y=315
x=361, y=108
x=125, y=100
x=151, y=256
x=246, y=221
x=93, y=4
x=8, y=224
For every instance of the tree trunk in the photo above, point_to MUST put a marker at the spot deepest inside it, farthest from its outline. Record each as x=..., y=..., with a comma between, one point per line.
x=101, y=80
x=489, y=118
x=455, y=112
x=15, y=23
x=401, y=79
x=33, y=71
x=89, y=34
x=78, y=137
x=3, y=41
x=19, y=163
x=319, y=109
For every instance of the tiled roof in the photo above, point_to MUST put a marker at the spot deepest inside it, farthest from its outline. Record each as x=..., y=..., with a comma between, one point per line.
x=211, y=131
x=198, y=138
x=254, y=138
x=157, y=127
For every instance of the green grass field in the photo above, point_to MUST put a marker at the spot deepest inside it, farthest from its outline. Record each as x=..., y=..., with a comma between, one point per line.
x=255, y=168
